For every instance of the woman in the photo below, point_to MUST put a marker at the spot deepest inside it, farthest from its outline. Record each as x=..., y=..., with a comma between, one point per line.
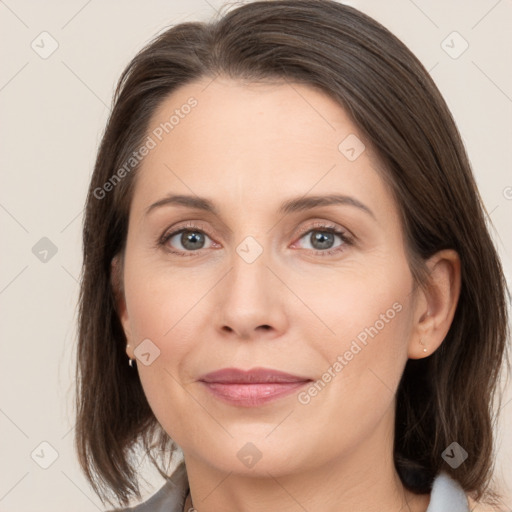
x=287, y=275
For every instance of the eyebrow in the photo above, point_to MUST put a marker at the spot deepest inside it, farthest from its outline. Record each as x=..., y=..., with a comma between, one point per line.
x=297, y=204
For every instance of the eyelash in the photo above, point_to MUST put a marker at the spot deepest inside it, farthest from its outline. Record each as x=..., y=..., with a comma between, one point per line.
x=324, y=228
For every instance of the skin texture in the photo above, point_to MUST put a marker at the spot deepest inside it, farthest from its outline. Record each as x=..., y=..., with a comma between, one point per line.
x=248, y=148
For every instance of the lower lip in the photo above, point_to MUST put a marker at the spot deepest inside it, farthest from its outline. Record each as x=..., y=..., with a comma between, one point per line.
x=252, y=395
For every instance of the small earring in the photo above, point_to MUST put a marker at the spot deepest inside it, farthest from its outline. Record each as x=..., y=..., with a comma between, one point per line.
x=424, y=348
x=130, y=360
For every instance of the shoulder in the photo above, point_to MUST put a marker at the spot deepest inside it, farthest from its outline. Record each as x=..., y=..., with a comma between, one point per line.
x=447, y=494
x=170, y=497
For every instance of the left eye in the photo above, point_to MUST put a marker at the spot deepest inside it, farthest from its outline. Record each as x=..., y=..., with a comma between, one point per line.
x=323, y=239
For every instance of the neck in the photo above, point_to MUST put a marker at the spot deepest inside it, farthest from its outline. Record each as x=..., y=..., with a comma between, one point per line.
x=405, y=502
x=363, y=479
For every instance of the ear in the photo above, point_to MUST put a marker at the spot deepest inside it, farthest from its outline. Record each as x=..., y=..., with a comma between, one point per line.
x=116, y=281
x=436, y=304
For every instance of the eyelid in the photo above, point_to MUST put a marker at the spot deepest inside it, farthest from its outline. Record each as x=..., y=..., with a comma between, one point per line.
x=189, y=225
x=319, y=225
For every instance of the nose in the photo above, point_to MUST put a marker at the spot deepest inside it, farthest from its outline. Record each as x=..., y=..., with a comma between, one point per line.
x=251, y=300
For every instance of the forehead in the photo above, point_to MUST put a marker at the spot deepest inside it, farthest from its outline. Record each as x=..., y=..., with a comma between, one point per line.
x=251, y=142
x=229, y=111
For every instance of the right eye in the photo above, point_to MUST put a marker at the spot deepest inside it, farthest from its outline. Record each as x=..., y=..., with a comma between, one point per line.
x=186, y=240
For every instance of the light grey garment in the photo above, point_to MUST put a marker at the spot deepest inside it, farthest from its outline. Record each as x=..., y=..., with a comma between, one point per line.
x=446, y=495
x=170, y=498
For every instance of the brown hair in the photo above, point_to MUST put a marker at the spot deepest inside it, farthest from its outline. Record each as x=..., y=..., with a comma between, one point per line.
x=389, y=95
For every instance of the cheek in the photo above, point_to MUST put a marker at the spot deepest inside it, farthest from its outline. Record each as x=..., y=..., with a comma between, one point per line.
x=369, y=320
x=160, y=323
x=168, y=306
x=157, y=300
x=362, y=363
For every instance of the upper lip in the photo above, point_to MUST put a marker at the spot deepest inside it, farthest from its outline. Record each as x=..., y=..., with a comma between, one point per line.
x=256, y=375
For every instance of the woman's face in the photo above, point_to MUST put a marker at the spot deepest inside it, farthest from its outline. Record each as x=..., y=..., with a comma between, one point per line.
x=266, y=278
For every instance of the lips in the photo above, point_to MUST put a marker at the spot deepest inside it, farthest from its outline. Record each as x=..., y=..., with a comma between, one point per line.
x=254, y=376
x=251, y=388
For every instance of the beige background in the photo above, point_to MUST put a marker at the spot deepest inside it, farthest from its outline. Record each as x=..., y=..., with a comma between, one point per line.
x=53, y=112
